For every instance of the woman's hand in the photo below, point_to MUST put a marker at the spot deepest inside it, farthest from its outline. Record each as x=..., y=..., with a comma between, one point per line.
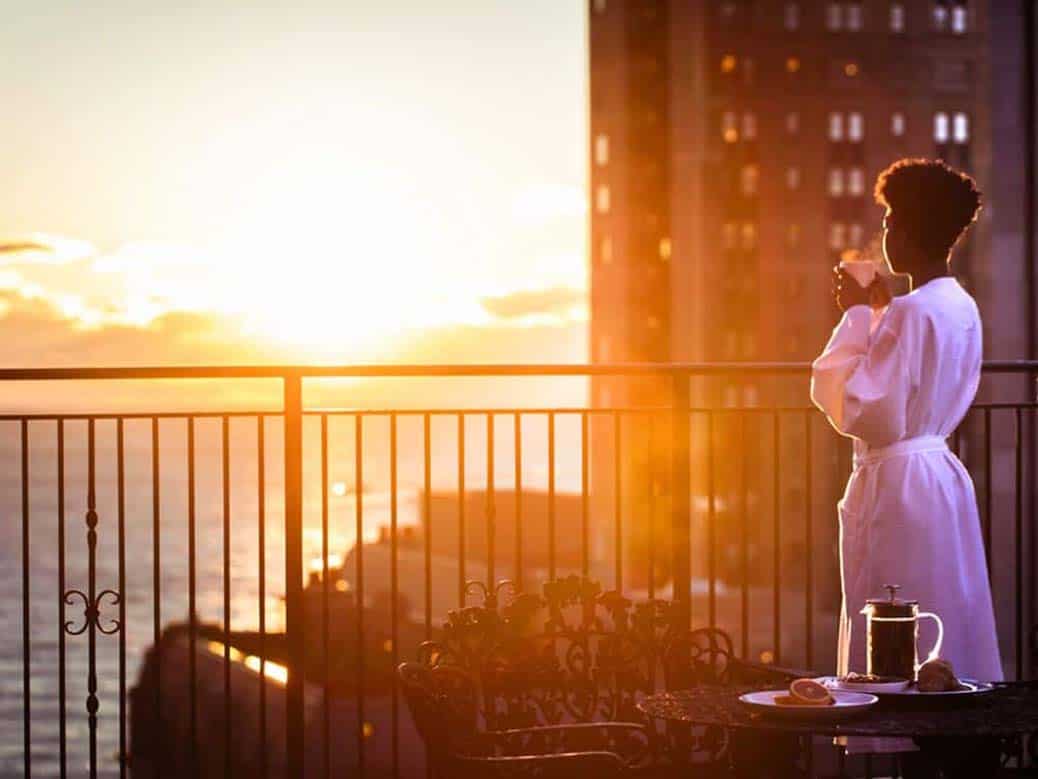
x=849, y=292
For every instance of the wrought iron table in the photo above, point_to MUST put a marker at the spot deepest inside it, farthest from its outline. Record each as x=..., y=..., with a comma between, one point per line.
x=1007, y=712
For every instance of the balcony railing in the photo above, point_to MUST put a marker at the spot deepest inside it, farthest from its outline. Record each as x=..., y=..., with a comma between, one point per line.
x=183, y=530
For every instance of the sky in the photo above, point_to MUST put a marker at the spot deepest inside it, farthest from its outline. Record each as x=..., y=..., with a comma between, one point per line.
x=342, y=181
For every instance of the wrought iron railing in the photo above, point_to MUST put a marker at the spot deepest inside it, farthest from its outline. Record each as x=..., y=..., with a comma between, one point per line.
x=729, y=506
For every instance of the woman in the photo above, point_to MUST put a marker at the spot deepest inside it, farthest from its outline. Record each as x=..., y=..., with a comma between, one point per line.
x=898, y=382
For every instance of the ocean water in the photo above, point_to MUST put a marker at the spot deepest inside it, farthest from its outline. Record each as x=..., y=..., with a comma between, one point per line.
x=45, y=607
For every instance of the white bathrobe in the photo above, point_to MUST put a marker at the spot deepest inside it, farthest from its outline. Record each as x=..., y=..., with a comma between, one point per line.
x=899, y=383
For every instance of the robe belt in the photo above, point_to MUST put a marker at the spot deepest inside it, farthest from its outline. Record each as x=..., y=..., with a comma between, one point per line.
x=923, y=443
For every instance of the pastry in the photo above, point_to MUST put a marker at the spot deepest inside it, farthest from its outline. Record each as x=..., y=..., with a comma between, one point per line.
x=937, y=675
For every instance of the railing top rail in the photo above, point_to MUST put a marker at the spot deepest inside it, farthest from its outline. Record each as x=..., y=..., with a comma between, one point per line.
x=436, y=370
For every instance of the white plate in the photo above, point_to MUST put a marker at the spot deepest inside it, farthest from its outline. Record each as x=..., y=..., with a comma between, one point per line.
x=847, y=703
x=969, y=687
x=877, y=688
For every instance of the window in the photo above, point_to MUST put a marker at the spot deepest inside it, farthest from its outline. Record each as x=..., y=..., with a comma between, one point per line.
x=602, y=149
x=793, y=235
x=792, y=64
x=730, y=235
x=602, y=200
x=749, y=344
x=748, y=69
x=749, y=236
x=959, y=21
x=749, y=180
x=897, y=124
x=855, y=127
x=603, y=348
x=837, y=236
x=652, y=322
x=834, y=17
x=940, y=127
x=854, y=16
x=728, y=129
x=856, y=234
x=731, y=341
x=791, y=18
x=728, y=10
x=897, y=17
x=850, y=70
x=793, y=178
x=793, y=123
x=599, y=6
x=606, y=251
x=856, y=181
x=940, y=16
x=728, y=63
x=835, y=127
x=961, y=128
x=835, y=182
x=749, y=126
x=665, y=249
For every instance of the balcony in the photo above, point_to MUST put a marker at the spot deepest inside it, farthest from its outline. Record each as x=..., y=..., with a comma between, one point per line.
x=284, y=560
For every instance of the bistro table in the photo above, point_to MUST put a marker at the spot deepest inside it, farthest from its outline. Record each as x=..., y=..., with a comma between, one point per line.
x=1007, y=711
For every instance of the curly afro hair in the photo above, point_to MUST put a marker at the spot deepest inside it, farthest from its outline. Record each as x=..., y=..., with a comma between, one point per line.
x=931, y=201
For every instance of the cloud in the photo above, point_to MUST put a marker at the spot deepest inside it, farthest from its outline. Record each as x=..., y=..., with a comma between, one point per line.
x=39, y=248
x=553, y=301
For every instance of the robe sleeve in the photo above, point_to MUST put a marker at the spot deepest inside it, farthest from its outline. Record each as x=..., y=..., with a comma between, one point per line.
x=862, y=379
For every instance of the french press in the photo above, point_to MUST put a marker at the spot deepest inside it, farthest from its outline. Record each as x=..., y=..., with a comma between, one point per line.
x=892, y=630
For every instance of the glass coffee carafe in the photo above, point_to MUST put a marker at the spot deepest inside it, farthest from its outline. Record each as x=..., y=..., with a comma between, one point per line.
x=892, y=630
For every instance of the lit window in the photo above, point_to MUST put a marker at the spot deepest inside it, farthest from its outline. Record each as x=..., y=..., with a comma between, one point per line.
x=749, y=344
x=856, y=181
x=665, y=249
x=728, y=129
x=961, y=128
x=837, y=236
x=834, y=16
x=749, y=180
x=940, y=16
x=856, y=234
x=854, y=16
x=897, y=17
x=855, y=127
x=730, y=392
x=793, y=235
x=602, y=149
x=728, y=63
x=792, y=16
x=730, y=235
x=835, y=126
x=793, y=178
x=749, y=236
x=958, y=19
x=600, y=6
x=749, y=126
x=940, y=127
x=728, y=9
x=792, y=64
x=850, y=69
x=603, y=348
x=606, y=251
x=835, y=182
x=792, y=123
x=897, y=124
x=602, y=200
x=750, y=394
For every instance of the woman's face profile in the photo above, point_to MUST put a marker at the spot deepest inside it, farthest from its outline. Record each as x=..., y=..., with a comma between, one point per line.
x=892, y=245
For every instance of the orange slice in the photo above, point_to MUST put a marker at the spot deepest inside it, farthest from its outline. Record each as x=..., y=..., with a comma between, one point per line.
x=810, y=692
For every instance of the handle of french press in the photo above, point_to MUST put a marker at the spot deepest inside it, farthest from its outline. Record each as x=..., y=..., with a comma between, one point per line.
x=936, y=651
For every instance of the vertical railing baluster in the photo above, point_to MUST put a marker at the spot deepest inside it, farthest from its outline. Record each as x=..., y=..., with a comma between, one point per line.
x=809, y=546
x=777, y=539
x=1018, y=526
x=490, y=507
x=91, y=523
x=518, y=500
x=295, y=605
x=617, y=504
x=62, y=715
x=121, y=520
x=225, y=491
x=681, y=499
x=551, y=496
x=358, y=545
x=711, y=522
x=261, y=541
x=650, y=524
x=156, y=608
x=461, y=509
x=192, y=609
x=427, y=503
x=744, y=531
x=394, y=589
x=585, y=552
x=326, y=731
x=26, y=646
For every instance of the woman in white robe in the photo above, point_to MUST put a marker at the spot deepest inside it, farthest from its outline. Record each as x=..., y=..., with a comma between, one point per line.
x=899, y=381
